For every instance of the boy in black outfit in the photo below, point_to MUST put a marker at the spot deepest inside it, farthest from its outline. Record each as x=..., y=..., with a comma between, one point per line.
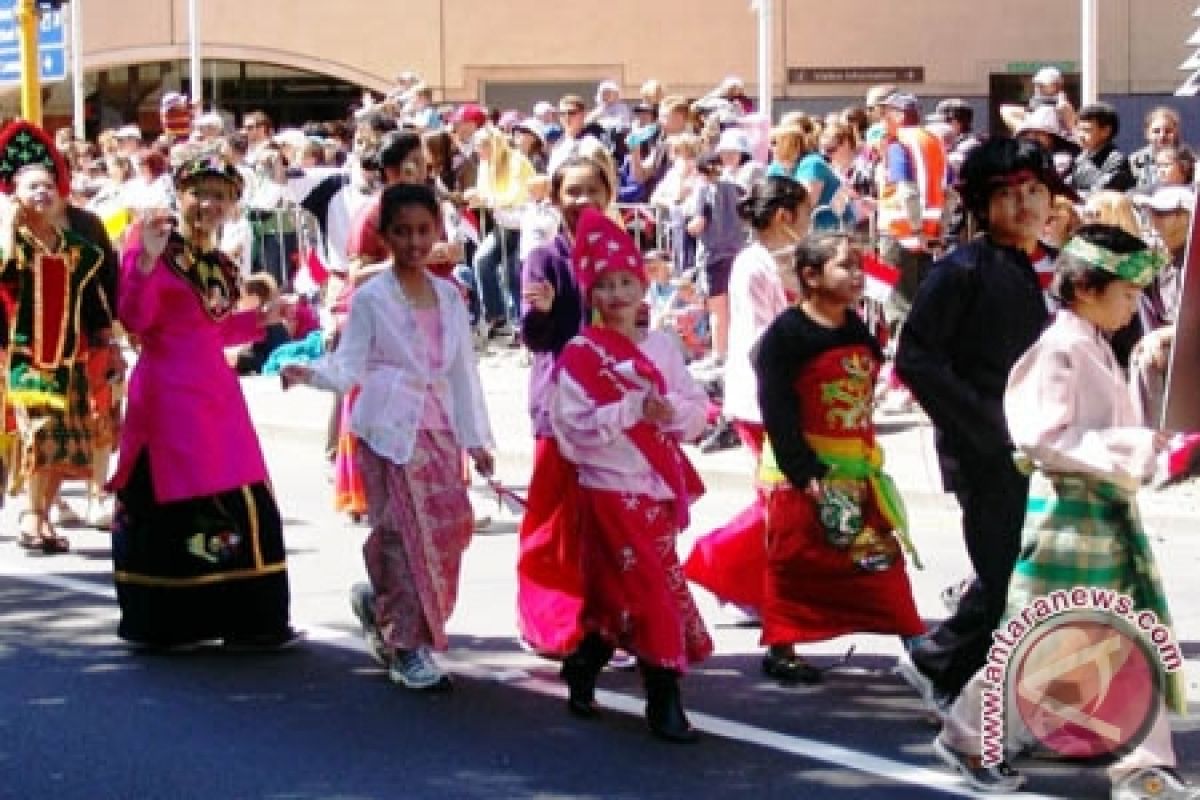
x=977, y=312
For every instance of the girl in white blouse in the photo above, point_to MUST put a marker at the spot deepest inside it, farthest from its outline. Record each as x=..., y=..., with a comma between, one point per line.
x=407, y=344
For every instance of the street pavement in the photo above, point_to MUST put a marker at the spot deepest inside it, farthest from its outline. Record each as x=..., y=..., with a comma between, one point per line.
x=81, y=717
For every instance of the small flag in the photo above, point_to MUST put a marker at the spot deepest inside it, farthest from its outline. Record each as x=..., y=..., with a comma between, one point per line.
x=881, y=278
x=506, y=498
x=1183, y=457
x=317, y=270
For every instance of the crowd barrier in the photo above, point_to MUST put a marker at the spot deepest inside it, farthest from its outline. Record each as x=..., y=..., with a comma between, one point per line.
x=283, y=240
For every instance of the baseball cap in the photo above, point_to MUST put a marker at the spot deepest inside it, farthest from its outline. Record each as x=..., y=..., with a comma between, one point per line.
x=877, y=94
x=1046, y=120
x=606, y=86
x=534, y=126
x=1168, y=198
x=733, y=140
x=1047, y=75
x=291, y=137
x=955, y=108
x=542, y=107
x=903, y=101
x=470, y=112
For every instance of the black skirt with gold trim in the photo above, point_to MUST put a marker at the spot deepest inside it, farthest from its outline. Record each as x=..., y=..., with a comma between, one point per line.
x=198, y=569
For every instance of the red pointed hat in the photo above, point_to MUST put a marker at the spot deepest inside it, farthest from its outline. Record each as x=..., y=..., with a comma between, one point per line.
x=602, y=246
x=23, y=144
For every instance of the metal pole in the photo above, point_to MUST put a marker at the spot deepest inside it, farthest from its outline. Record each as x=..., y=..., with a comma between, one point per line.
x=77, y=98
x=197, y=69
x=1089, y=52
x=765, y=93
x=31, y=73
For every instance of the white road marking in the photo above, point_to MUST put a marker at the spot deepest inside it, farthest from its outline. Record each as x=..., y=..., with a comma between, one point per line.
x=813, y=749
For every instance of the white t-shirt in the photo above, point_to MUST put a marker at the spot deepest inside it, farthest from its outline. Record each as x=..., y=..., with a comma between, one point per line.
x=756, y=297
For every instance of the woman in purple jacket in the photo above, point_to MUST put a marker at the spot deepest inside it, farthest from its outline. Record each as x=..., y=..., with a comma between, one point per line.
x=552, y=313
x=198, y=542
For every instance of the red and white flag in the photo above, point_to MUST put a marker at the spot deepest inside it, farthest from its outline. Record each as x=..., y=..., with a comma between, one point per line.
x=881, y=278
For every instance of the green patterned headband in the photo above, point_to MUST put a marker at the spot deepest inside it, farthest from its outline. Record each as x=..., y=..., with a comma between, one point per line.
x=1138, y=268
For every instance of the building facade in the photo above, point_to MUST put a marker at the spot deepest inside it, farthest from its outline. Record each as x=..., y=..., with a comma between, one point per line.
x=304, y=59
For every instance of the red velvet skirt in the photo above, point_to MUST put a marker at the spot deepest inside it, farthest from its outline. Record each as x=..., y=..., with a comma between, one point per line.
x=731, y=561
x=816, y=591
x=635, y=594
x=549, y=573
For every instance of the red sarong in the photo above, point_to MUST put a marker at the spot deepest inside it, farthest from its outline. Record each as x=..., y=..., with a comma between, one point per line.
x=731, y=561
x=549, y=573
x=814, y=591
x=635, y=594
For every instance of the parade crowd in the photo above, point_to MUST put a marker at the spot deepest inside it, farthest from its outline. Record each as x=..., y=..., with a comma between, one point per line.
x=676, y=271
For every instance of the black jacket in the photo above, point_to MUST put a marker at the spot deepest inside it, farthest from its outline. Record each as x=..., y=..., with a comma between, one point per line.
x=788, y=344
x=977, y=312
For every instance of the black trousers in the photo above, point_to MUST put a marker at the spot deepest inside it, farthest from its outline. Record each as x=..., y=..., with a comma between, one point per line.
x=992, y=494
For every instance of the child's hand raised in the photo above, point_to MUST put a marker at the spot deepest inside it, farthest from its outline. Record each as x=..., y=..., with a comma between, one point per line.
x=656, y=409
x=485, y=465
x=156, y=227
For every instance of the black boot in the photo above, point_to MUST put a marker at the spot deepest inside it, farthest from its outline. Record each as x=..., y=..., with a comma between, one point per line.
x=664, y=708
x=580, y=669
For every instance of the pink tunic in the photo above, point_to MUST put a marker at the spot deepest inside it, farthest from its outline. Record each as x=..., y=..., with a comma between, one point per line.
x=429, y=321
x=185, y=403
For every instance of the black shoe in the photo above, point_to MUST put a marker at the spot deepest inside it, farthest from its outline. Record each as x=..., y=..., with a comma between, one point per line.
x=664, y=707
x=580, y=670
x=721, y=437
x=789, y=669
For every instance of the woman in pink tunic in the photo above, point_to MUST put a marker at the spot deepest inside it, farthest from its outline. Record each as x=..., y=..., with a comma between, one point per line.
x=198, y=544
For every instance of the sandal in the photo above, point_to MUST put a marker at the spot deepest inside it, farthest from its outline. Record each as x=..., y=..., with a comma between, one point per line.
x=44, y=537
x=29, y=539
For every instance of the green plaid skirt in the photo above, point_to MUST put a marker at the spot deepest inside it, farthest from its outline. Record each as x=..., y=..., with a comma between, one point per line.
x=1082, y=531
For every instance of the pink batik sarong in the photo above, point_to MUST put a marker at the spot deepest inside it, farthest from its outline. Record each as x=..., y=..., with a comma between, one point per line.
x=421, y=523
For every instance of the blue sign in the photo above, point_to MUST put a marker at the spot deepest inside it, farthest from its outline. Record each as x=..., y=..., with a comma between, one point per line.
x=52, y=45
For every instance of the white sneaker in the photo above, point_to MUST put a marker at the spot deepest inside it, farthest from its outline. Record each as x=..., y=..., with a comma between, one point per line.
x=416, y=669
x=1154, y=783
x=998, y=779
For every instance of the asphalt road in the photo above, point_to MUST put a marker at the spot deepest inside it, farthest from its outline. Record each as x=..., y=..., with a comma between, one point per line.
x=81, y=717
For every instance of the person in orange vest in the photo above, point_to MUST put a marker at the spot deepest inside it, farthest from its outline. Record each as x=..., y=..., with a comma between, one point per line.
x=912, y=199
